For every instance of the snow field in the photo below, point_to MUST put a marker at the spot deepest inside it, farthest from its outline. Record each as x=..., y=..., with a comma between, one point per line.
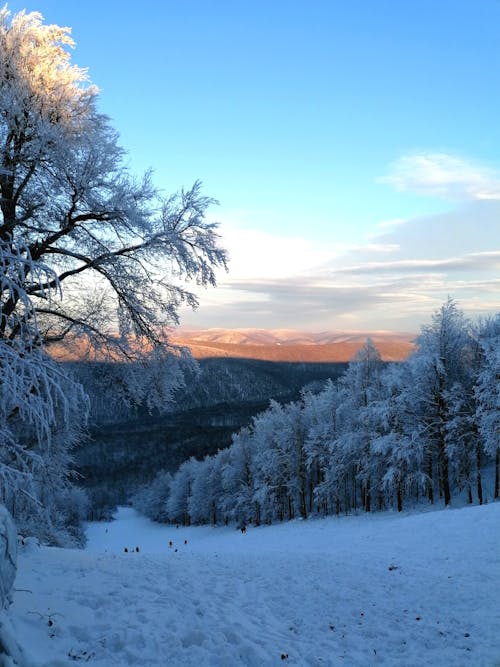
x=385, y=589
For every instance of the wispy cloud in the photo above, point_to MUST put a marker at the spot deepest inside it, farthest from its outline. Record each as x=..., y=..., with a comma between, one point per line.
x=394, y=280
x=443, y=175
x=367, y=299
x=390, y=224
x=375, y=248
x=477, y=261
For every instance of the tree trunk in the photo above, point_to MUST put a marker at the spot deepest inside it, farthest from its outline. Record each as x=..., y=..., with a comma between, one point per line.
x=431, y=480
x=257, y=513
x=311, y=494
x=441, y=442
x=446, y=478
x=303, y=504
x=479, y=480
x=497, y=470
x=380, y=501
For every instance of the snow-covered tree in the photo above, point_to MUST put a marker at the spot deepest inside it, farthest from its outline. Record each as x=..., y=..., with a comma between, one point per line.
x=394, y=442
x=42, y=410
x=321, y=411
x=439, y=370
x=116, y=246
x=177, y=503
x=237, y=503
x=8, y=558
x=151, y=499
x=488, y=394
x=88, y=255
x=268, y=468
x=359, y=386
x=8, y=567
x=206, y=489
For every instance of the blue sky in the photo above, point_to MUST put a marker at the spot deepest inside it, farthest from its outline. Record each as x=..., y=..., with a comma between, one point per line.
x=354, y=146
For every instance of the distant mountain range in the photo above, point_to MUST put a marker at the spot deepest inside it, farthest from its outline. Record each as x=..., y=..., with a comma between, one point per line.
x=290, y=345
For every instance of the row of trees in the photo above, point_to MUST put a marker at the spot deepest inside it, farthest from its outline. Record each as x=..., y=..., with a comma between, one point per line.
x=88, y=255
x=384, y=435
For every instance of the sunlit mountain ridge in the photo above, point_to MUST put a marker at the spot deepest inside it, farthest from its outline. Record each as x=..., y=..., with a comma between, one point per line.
x=286, y=345
x=291, y=345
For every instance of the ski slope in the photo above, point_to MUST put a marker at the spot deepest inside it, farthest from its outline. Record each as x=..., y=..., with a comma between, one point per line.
x=414, y=590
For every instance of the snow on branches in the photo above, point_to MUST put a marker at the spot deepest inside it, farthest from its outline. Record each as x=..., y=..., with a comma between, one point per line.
x=88, y=253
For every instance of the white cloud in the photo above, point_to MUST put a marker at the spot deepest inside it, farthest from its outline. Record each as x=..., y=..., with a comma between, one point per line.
x=253, y=252
x=390, y=224
x=445, y=176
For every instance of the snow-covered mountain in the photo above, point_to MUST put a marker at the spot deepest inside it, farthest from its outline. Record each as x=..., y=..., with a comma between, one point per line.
x=290, y=344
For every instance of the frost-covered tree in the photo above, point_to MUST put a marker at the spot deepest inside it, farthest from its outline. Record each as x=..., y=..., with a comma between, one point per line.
x=206, y=489
x=439, y=369
x=42, y=410
x=321, y=410
x=88, y=255
x=395, y=444
x=10, y=652
x=360, y=386
x=465, y=448
x=151, y=499
x=177, y=502
x=237, y=502
x=488, y=394
x=279, y=462
x=268, y=469
x=116, y=247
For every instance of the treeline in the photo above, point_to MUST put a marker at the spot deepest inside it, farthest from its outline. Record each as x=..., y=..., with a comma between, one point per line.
x=382, y=436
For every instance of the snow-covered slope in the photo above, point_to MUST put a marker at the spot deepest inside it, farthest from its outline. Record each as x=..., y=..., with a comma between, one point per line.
x=374, y=590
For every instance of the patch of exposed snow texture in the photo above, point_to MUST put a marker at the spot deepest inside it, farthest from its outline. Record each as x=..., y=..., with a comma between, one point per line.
x=386, y=589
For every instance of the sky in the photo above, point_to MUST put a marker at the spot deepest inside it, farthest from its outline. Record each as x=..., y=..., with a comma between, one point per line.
x=354, y=147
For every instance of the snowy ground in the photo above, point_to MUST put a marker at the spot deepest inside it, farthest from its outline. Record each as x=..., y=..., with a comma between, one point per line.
x=375, y=590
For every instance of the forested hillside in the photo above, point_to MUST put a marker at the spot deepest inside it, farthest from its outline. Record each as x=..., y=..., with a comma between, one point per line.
x=128, y=445
x=383, y=436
